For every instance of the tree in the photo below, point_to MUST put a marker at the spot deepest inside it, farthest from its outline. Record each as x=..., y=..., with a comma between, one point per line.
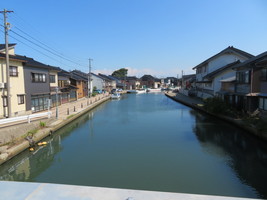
x=120, y=73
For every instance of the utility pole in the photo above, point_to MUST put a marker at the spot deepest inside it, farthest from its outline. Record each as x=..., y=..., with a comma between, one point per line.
x=6, y=25
x=89, y=78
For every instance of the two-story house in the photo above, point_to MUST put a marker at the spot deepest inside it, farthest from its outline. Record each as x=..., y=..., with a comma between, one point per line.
x=207, y=84
x=37, y=84
x=251, y=84
x=109, y=83
x=68, y=91
x=80, y=80
x=148, y=81
x=16, y=80
x=30, y=84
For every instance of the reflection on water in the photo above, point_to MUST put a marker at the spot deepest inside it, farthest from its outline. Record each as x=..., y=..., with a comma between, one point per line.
x=148, y=142
x=246, y=155
x=29, y=165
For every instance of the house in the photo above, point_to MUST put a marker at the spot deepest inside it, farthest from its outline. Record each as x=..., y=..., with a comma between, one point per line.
x=211, y=71
x=97, y=82
x=31, y=83
x=37, y=84
x=251, y=84
x=148, y=81
x=68, y=92
x=109, y=83
x=17, y=89
x=80, y=80
x=132, y=82
x=119, y=82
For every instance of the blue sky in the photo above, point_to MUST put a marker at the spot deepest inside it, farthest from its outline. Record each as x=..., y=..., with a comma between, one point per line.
x=157, y=37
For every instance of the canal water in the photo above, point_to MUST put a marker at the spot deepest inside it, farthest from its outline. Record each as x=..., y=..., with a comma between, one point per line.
x=148, y=142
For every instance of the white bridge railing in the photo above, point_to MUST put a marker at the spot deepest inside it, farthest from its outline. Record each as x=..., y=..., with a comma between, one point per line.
x=25, y=118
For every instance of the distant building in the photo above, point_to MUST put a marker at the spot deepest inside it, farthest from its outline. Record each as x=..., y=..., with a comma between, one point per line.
x=148, y=81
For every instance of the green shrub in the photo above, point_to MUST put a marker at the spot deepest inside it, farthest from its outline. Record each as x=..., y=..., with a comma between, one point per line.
x=42, y=124
x=94, y=94
x=216, y=105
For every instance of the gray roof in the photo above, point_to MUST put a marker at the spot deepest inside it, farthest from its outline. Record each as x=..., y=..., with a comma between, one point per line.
x=105, y=77
x=29, y=61
x=252, y=61
x=3, y=46
x=229, y=49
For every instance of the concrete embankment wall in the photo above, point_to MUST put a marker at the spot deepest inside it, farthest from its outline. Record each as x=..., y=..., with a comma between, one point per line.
x=237, y=122
x=9, y=153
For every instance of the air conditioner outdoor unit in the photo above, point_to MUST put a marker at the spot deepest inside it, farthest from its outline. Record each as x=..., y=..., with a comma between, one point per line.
x=2, y=85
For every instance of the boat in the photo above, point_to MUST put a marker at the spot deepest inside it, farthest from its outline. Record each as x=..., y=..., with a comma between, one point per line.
x=116, y=96
x=140, y=91
x=154, y=90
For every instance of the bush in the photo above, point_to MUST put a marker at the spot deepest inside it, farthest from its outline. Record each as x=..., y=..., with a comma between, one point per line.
x=42, y=124
x=216, y=105
x=94, y=94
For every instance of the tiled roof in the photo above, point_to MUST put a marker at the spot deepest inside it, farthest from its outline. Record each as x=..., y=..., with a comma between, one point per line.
x=147, y=78
x=3, y=46
x=105, y=77
x=227, y=50
x=78, y=75
x=29, y=61
x=257, y=59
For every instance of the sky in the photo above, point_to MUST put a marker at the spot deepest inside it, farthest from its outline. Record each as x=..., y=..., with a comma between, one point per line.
x=157, y=37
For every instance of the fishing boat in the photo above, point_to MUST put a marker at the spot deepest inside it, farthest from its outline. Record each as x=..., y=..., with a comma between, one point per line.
x=141, y=91
x=116, y=96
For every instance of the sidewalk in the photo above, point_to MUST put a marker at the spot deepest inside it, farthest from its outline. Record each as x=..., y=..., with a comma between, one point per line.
x=15, y=132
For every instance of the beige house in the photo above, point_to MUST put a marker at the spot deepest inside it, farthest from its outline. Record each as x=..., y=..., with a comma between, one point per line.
x=17, y=89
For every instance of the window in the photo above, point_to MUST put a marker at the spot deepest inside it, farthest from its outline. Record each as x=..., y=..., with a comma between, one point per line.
x=263, y=103
x=243, y=77
x=38, y=78
x=4, y=101
x=20, y=99
x=52, y=78
x=264, y=74
x=13, y=71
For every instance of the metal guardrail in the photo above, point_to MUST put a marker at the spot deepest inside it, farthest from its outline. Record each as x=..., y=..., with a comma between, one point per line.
x=25, y=117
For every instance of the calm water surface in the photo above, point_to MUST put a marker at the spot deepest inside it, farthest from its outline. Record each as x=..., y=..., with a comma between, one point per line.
x=148, y=142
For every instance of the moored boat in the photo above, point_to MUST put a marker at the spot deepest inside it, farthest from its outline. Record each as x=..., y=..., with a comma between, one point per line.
x=116, y=96
x=140, y=91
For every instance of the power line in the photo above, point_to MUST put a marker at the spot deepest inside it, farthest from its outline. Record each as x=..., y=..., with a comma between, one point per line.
x=18, y=19
x=36, y=49
x=55, y=54
x=42, y=43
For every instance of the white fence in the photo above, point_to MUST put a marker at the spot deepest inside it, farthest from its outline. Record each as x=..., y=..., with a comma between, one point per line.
x=25, y=118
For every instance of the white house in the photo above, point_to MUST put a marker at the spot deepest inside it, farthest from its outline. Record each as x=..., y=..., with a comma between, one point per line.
x=97, y=82
x=210, y=72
